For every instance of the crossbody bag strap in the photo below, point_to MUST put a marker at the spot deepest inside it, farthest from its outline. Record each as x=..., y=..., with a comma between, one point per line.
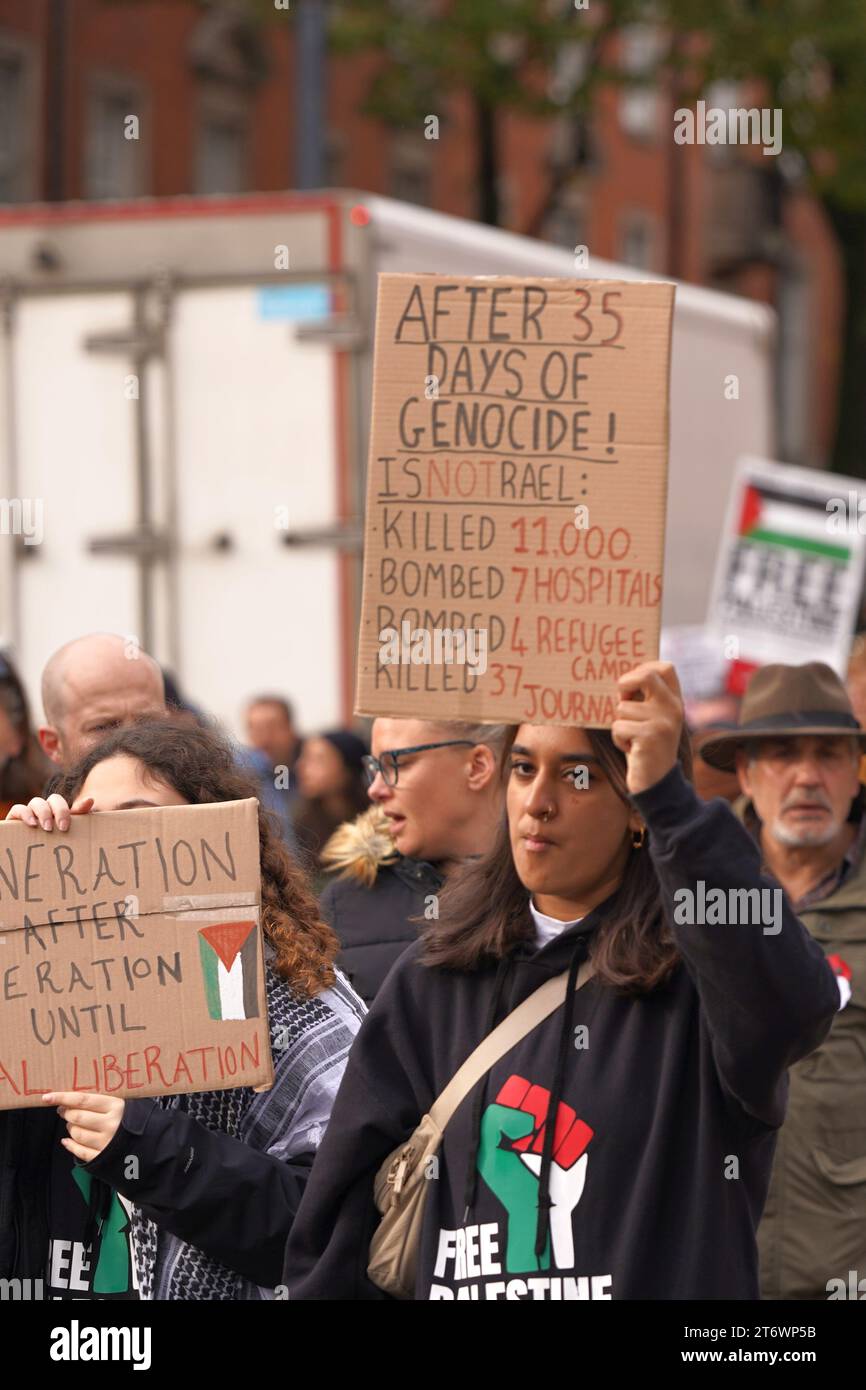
x=534, y=1010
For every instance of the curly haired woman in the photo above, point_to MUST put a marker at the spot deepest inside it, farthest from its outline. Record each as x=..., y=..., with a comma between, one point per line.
x=218, y=1175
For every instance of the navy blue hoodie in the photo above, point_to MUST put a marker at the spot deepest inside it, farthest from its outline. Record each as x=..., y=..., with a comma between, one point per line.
x=667, y=1105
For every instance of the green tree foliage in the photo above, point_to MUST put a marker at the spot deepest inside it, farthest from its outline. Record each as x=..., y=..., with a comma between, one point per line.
x=806, y=57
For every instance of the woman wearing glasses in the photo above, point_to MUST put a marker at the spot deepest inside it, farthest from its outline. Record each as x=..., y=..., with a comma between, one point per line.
x=622, y=1147
x=436, y=801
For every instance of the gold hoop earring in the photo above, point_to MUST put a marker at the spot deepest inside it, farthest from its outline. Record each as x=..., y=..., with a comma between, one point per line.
x=638, y=838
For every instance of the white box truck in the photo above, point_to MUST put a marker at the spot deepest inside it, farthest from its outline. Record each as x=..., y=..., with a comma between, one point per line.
x=184, y=400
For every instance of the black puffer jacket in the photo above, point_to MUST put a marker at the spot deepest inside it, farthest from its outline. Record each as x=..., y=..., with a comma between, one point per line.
x=371, y=904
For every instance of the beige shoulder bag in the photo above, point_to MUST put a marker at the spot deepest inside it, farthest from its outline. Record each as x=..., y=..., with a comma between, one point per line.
x=400, y=1188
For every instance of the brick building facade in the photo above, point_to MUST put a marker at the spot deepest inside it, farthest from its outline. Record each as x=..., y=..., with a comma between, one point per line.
x=101, y=99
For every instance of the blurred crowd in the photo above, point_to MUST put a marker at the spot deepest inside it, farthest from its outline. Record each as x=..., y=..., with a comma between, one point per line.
x=311, y=783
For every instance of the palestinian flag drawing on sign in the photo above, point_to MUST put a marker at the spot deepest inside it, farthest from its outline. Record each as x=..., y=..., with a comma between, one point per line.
x=789, y=569
x=784, y=518
x=229, y=961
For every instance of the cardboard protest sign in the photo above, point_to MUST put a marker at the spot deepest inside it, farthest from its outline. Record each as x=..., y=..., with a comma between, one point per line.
x=789, y=572
x=516, y=496
x=131, y=954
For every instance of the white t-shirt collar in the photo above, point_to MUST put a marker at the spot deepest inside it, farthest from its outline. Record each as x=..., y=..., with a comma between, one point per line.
x=547, y=928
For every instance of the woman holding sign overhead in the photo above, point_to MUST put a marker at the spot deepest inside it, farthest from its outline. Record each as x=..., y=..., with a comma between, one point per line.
x=193, y=1196
x=614, y=1137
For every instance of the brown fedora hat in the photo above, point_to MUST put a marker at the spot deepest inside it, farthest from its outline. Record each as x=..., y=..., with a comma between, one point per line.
x=786, y=702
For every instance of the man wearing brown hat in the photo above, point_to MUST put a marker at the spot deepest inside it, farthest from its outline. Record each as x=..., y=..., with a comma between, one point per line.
x=796, y=751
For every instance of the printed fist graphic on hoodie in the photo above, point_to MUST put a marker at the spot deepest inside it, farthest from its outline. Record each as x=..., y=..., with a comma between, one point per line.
x=509, y=1161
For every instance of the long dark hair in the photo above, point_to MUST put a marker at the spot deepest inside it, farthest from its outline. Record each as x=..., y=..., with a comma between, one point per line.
x=317, y=817
x=314, y=823
x=201, y=767
x=26, y=773
x=484, y=907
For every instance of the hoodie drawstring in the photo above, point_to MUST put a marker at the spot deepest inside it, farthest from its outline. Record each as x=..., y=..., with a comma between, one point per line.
x=543, y=1227
x=471, y=1182
x=98, y=1208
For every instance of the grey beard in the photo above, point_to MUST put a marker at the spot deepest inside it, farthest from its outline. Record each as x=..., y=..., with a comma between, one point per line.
x=800, y=839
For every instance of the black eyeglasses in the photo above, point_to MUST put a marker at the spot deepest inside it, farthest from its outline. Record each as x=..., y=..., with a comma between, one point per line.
x=388, y=765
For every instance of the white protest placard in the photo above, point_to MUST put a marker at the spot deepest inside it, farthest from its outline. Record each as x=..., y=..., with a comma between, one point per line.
x=789, y=572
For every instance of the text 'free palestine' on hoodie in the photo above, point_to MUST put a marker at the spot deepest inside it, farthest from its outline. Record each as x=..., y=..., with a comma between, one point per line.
x=667, y=1121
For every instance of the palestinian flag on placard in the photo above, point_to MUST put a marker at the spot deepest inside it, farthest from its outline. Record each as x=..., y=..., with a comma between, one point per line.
x=798, y=522
x=229, y=961
x=842, y=971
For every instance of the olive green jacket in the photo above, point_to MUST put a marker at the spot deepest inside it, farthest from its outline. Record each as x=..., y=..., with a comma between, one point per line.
x=814, y=1224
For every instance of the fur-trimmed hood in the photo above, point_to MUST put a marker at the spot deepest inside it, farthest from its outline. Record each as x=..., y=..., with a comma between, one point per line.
x=359, y=848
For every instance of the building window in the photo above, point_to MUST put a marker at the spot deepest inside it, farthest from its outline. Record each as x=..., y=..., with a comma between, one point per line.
x=335, y=158
x=566, y=223
x=568, y=73
x=221, y=158
x=572, y=145
x=228, y=58
x=410, y=169
x=115, y=130
x=639, y=104
x=638, y=240
x=11, y=82
x=17, y=122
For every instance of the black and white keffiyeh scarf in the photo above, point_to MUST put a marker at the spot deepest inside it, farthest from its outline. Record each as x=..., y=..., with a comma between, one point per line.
x=310, y=1040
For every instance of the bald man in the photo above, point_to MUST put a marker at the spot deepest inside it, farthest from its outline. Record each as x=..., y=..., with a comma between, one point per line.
x=91, y=686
